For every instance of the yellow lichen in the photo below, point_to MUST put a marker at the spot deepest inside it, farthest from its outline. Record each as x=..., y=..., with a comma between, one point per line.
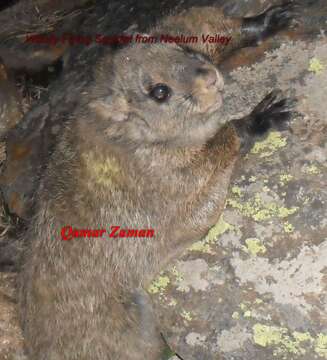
x=201, y=246
x=311, y=169
x=235, y=315
x=292, y=346
x=159, y=285
x=258, y=301
x=172, y=302
x=262, y=215
x=300, y=336
x=316, y=66
x=271, y=144
x=261, y=211
x=254, y=247
x=297, y=343
x=284, y=179
x=264, y=335
x=221, y=227
x=247, y=313
x=177, y=274
x=321, y=345
x=236, y=190
x=211, y=238
x=283, y=212
x=288, y=228
x=186, y=315
x=306, y=200
x=252, y=179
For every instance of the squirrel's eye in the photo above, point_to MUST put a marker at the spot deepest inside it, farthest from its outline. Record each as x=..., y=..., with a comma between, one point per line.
x=160, y=92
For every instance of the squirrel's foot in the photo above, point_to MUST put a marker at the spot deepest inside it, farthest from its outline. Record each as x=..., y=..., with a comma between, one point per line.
x=275, y=18
x=273, y=112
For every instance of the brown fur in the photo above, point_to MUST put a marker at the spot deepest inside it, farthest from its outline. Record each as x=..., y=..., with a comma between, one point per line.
x=129, y=161
x=206, y=20
x=126, y=160
x=10, y=102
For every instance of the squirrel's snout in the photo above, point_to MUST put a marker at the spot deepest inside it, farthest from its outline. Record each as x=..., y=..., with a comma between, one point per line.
x=210, y=77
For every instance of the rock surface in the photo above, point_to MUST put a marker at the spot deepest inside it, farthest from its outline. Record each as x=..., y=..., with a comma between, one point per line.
x=255, y=287
x=11, y=342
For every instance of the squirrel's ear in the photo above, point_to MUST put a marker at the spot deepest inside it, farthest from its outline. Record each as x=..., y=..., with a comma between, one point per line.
x=113, y=108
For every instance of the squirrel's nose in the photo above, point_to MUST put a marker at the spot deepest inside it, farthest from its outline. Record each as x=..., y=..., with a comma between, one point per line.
x=211, y=77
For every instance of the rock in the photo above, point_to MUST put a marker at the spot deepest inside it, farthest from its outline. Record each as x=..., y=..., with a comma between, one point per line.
x=11, y=341
x=255, y=287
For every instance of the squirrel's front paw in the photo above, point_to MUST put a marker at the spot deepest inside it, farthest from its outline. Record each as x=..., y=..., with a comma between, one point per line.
x=279, y=17
x=273, y=112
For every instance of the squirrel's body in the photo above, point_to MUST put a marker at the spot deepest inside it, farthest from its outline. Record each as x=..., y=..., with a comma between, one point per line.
x=145, y=148
x=112, y=167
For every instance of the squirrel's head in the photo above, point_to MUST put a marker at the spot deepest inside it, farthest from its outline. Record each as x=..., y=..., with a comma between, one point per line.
x=157, y=93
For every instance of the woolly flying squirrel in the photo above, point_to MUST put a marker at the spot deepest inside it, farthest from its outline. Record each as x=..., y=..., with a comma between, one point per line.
x=146, y=148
